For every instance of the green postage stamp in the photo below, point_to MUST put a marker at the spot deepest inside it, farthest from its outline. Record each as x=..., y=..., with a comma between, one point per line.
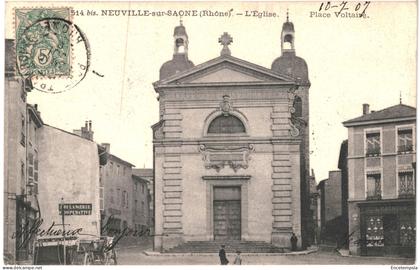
x=43, y=42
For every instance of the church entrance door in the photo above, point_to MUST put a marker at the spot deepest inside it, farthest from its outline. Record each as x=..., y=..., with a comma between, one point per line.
x=227, y=213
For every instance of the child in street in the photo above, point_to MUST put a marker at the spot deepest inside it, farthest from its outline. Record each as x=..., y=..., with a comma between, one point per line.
x=238, y=259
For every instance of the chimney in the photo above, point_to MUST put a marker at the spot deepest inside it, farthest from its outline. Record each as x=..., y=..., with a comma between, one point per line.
x=365, y=108
x=36, y=107
x=86, y=131
x=89, y=131
x=107, y=147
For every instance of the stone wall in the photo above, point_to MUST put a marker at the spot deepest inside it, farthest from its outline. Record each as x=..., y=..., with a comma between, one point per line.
x=68, y=169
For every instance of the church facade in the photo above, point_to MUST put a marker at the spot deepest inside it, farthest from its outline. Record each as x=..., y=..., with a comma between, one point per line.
x=231, y=149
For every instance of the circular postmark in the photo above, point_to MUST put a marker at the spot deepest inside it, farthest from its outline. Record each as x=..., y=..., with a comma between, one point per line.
x=53, y=53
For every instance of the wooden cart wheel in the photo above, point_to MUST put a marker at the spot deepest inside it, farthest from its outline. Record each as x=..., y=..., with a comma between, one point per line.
x=114, y=256
x=110, y=258
x=88, y=260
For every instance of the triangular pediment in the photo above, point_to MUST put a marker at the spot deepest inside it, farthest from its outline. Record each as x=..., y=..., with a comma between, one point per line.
x=225, y=70
x=225, y=75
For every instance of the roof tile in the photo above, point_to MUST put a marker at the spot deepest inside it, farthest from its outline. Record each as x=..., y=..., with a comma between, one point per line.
x=397, y=111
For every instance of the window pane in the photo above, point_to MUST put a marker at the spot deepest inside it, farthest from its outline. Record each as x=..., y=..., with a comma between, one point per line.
x=373, y=143
x=226, y=124
x=405, y=140
x=407, y=231
x=373, y=186
x=370, y=186
x=227, y=193
x=374, y=232
x=406, y=184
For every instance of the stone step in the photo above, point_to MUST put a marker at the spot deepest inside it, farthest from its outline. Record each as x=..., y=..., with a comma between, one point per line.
x=326, y=247
x=231, y=247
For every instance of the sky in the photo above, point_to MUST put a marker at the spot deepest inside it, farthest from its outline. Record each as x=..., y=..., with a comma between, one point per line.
x=351, y=61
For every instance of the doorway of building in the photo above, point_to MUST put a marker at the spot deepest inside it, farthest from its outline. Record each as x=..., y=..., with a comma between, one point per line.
x=391, y=234
x=227, y=213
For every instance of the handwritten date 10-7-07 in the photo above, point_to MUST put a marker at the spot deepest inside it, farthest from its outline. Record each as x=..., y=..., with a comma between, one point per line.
x=345, y=6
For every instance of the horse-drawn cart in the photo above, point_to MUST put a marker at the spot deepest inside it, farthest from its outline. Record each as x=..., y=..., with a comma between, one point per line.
x=96, y=252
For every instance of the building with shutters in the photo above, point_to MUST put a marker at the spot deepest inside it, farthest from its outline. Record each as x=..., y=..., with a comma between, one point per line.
x=381, y=181
x=117, y=193
x=39, y=170
x=146, y=176
x=21, y=146
x=332, y=228
x=231, y=149
x=141, y=201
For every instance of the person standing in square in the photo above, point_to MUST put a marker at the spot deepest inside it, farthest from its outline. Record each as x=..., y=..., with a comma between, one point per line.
x=222, y=256
x=238, y=259
x=293, y=241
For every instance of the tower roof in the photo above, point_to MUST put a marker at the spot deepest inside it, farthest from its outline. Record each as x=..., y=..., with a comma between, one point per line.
x=180, y=30
x=288, y=63
x=288, y=26
x=179, y=61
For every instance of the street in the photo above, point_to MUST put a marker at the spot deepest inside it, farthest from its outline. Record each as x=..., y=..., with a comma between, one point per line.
x=135, y=256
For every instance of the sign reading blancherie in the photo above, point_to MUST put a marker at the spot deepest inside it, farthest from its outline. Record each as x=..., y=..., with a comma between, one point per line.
x=73, y=209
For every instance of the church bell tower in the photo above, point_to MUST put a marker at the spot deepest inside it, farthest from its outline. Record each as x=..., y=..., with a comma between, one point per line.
x=180, y=61
x=294, y=66
x=180, y=40
x=288, y=36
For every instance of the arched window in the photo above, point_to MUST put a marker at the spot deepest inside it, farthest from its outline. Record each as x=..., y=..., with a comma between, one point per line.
x=180, y=45
x=287, y=42
x=297, y=105
x=226, y=125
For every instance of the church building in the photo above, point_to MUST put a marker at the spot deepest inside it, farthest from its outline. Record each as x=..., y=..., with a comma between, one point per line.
x=231, y=148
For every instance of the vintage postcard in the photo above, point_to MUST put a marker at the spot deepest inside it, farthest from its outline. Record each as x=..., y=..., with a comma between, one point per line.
x=209, y=133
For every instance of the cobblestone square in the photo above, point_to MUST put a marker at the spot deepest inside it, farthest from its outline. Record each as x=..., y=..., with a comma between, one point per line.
x=136, y=256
